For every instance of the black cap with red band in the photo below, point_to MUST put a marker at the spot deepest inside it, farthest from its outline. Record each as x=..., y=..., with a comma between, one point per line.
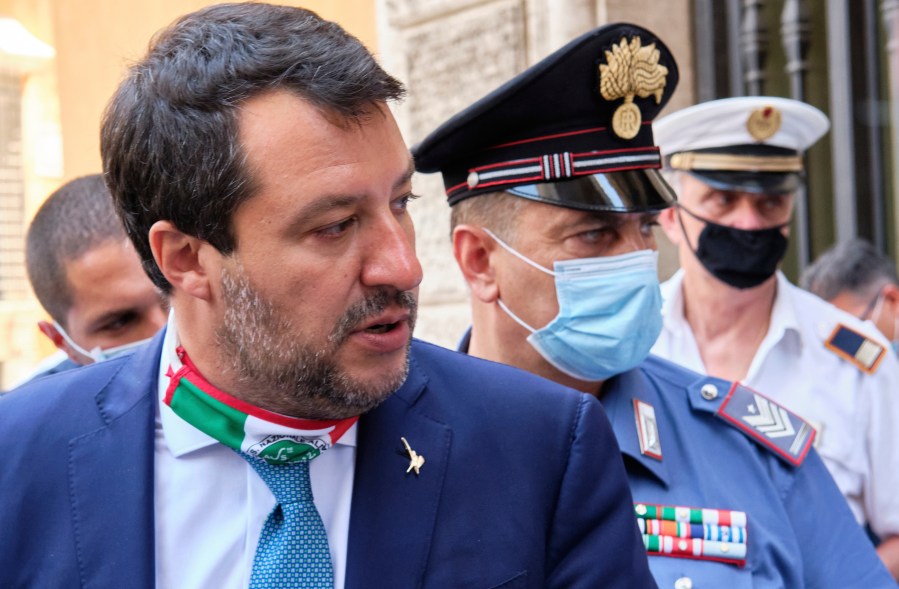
x=587, y=109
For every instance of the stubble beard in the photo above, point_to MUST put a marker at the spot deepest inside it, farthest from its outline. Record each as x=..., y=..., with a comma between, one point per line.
x=278, y=371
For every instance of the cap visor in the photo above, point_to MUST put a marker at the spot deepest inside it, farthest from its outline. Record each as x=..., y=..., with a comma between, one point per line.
x=631, y=191
x=754, y=182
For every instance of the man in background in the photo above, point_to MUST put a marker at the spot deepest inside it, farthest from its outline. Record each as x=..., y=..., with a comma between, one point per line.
x=858, y=278
x=87, y=276
x=736, y=164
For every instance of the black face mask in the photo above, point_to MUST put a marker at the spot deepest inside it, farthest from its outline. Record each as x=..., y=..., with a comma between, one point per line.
x=742, y=258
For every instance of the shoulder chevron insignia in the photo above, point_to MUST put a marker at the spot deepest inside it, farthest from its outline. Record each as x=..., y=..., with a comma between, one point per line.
x=767, y=423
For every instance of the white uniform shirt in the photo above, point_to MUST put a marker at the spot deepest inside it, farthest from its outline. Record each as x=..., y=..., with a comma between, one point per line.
x=856, y=414
x=211, y=505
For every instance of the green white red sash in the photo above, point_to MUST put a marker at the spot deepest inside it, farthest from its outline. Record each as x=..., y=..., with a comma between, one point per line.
x=275, y=438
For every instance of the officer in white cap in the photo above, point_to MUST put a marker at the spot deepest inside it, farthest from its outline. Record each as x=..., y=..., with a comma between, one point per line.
x=729, y=312
x=555, y=184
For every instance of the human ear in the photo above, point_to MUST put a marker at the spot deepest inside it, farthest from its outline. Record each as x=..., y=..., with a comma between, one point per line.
x=890, y=294
x=52, y=333
x=185, y=261
x=473, y=248
x=671, y=225
x=49, y=330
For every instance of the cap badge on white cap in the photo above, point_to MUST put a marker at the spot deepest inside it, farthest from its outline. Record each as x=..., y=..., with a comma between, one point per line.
x=763, y=123
x=632, y=70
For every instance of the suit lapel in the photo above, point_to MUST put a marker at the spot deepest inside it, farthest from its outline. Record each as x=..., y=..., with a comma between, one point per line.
x=394, y=512
x=111, y=479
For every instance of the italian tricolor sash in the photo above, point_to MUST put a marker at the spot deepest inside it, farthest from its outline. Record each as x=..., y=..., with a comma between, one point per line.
x=275, y=438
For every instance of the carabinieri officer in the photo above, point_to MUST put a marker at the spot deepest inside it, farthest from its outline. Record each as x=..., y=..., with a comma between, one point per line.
x=554, y=185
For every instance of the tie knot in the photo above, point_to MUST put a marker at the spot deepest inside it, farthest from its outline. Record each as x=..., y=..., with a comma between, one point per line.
x=288, y=482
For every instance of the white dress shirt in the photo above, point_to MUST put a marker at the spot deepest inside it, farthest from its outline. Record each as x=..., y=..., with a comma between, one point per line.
x=211, y=505
x=855, y=414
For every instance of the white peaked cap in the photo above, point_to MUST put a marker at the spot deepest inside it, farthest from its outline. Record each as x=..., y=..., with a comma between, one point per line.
x=722, y=123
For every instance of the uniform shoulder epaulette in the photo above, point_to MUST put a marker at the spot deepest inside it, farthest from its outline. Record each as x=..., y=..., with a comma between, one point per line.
x=769, y=424
x=859, y=349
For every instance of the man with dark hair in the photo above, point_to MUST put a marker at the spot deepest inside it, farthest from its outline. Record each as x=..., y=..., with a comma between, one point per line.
x=736, y=164
x=86, y=274
x=301, y=437
x=554, y=189
x=857, y=277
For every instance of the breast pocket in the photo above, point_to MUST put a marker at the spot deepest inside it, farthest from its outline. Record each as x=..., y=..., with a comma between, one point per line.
x=519, y=581
x=684, y=573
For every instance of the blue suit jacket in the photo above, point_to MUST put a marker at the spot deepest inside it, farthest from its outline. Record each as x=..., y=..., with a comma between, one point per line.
x=523, y=484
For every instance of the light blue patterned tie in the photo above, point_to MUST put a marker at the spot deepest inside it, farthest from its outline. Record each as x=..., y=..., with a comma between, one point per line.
x=293, y=548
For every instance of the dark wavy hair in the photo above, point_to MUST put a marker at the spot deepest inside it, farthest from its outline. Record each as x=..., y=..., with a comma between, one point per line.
x=169, y=138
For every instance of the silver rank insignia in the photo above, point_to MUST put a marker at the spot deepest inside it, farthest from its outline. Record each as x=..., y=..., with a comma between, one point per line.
x=855, y=347
x=771, y=425
x=647, y=430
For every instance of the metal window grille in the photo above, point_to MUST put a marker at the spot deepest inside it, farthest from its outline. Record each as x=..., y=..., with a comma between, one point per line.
x=841, y=56
x=13, y=280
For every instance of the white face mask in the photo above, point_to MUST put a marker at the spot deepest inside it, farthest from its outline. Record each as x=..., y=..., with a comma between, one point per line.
x=98, y=354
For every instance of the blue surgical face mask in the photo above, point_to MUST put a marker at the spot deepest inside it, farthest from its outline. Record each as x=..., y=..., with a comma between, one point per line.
x=610, y=313
x=98, y=354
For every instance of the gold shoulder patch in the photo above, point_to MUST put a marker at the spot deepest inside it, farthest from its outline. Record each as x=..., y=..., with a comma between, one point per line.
x=856, y=347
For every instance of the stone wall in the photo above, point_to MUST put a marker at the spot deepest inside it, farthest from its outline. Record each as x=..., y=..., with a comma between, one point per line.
x=452, y=52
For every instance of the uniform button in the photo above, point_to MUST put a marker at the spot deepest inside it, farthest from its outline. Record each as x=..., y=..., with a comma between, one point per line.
x=684, y=583
x=709, y=392
x=473, y=179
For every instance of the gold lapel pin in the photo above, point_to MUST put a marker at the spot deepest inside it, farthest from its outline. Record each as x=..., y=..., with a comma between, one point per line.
x=416, y=461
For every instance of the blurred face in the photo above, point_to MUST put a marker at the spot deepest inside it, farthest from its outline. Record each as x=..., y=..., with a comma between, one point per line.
x=113, y=301
x=882, y=309
x=320, y=293
x=546, y=234
x=742, y=210
x=861, y=307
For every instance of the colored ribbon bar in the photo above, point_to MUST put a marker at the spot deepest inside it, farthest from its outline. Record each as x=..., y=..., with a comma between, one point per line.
x=695, y=548
x=691, y=515
x=656, y=527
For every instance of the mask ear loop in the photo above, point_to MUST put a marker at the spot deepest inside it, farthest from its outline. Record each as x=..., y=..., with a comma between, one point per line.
x=874, y=310
x=513, y=316
x=517, y=254
x=73, y=345
x=683, y=230
x=524, y=259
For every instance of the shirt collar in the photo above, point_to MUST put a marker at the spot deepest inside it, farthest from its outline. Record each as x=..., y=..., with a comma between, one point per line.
x=180, y=437
x=620, y=394
x=783, y=315
x=784, y=325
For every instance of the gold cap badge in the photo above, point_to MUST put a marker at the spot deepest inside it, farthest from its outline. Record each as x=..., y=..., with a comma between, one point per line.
x=763, y=123
x=631, y=70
